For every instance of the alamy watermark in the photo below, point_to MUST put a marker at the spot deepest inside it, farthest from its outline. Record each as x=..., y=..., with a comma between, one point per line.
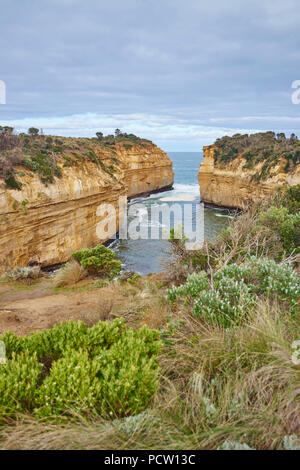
x=296, y=353
x=155, y=222
x=2, y=353
x=296, y=94
x=2, y=92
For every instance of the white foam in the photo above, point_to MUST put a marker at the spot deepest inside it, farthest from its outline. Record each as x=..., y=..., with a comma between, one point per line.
x=187, y=188
x=224, y=215
x=179, y=197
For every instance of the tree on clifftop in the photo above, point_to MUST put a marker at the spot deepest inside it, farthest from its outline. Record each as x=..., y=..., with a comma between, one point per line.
x=99, y=135
x=33, y=131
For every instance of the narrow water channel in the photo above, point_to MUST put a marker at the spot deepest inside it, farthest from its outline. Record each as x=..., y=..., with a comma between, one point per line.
x=149, y=256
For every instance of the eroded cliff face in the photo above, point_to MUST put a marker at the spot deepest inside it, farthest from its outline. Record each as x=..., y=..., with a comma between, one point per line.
x=232, y=185
x=46, y=223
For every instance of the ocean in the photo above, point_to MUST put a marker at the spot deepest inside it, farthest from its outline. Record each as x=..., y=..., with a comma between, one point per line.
x=149, y=256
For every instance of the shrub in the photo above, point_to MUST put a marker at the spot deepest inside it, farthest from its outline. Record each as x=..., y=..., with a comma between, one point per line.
x=49, y=343
x=264, y=276
x=195, y=285
x=236, y=290
x=290, y=198
x=73, y=384
x=264, y=147
x=128, y=385
x=21, y=273
x=12, y=183
x=99, y=261
x=228, y=303
x=225, y=304
x=107, y=368
x=18, y=381
x=287, y=225
x=45, y=165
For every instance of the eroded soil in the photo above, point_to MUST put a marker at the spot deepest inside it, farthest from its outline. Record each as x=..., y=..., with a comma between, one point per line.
x=25, y=309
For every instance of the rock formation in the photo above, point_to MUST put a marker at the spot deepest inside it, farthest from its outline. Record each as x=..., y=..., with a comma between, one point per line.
x=233, y=185
x=45, y=223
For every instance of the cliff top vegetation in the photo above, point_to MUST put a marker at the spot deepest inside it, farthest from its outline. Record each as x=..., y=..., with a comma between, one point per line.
x=39, y=153
x=267, y=148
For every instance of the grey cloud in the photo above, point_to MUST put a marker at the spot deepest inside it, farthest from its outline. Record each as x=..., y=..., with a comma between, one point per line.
x=214, y=63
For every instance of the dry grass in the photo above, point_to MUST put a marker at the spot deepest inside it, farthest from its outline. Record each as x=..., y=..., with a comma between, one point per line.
x=101, y=313
x=244, y=237
x=69, y=274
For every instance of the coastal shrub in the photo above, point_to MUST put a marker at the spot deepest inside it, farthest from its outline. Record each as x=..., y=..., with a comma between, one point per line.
x=193, y=287
x=226, y=303
x=236, y=290
x=290, y=198
x=265, y=277
x=99, y=261
x=40, y=154
x=12, y=183
x=128, y=385
x=48, y=343
x=286, y=224
x=26, y=272
x=18, y=383
x=73, y=384
x=107, y=369
x=43, y=164
x=263, y=147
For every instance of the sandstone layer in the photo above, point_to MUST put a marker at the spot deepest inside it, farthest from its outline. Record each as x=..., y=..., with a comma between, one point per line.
x=46, y=223
x=231, y=185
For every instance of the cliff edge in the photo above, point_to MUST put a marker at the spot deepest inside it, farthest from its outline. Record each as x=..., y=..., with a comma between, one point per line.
x=50, y=189
x=242, y=169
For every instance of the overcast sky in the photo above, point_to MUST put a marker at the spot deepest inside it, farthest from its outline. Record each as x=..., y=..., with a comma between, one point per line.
x=179, y=72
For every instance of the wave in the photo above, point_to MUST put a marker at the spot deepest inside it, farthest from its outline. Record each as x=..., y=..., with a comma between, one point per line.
x=224, y=215
x=187, y=188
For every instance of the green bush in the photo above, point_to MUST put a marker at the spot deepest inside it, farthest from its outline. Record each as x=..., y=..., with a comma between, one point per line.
x=18, y=383
x=286, y=224
x=130, y=379
x=265, y=277
x=290, y=198
x=73, y=384
x=264, y=147
x=12, y=183
x=107, y=369
x=236, y=290
x=99, y=261
x=44, y=165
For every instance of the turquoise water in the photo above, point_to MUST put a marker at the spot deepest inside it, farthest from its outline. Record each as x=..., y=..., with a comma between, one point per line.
x=150, y=256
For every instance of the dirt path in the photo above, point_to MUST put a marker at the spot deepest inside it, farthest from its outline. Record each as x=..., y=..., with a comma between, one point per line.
x=30, y=310
x=25, y=309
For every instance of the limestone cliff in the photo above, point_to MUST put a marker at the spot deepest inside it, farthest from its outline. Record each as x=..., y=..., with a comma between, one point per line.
x=233, y=185
x=45, y=223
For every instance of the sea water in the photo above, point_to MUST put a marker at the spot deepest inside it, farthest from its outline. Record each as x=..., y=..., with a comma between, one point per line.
x=150, y=256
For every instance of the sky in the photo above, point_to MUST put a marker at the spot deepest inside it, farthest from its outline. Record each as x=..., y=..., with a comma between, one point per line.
x=178, y=72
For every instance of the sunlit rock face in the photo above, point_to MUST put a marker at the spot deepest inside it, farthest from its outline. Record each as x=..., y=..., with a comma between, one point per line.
x=46, y=223
x=230, y=185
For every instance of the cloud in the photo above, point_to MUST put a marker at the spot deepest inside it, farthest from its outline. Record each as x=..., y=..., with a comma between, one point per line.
x=192, y=64
x=168, y=132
